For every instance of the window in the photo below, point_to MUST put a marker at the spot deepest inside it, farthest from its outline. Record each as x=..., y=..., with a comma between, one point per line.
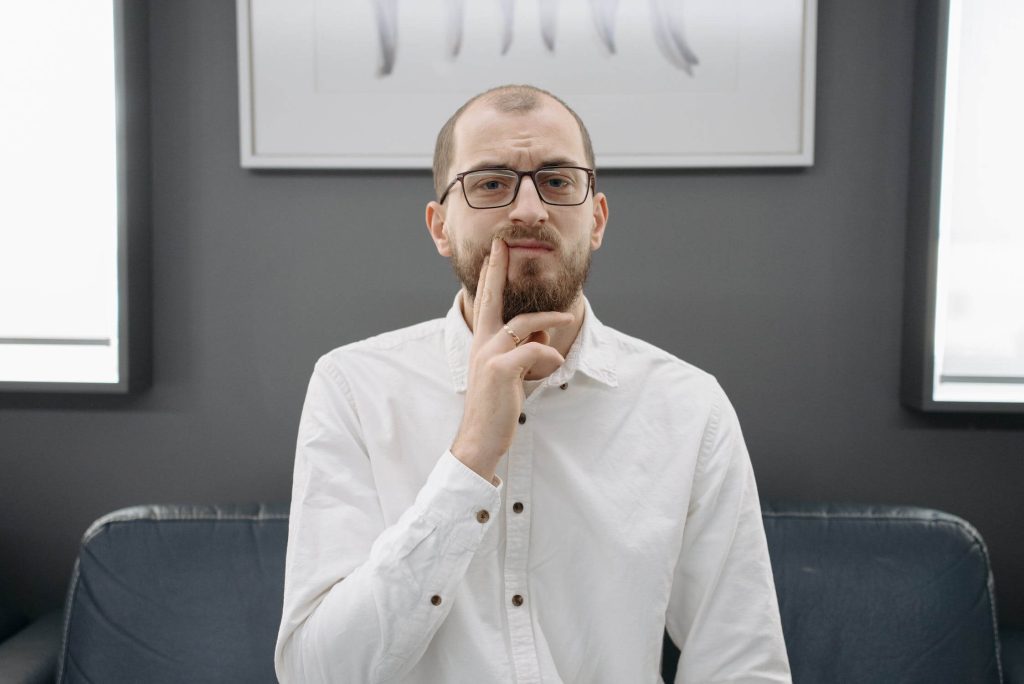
x=965, y=210
x=72, y=125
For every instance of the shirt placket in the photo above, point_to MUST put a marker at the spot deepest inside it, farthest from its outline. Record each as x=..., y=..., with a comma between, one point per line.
x=518, y=489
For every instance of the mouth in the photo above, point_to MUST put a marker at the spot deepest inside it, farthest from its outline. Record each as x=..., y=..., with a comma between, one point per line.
x=530, y=246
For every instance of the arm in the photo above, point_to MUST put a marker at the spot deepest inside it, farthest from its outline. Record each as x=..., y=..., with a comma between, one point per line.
x=362, y=602
x=358, y=600
x=498, y=365
x=723, y=612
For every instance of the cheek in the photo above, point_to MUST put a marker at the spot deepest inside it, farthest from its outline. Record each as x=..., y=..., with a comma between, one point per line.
x=467, y=230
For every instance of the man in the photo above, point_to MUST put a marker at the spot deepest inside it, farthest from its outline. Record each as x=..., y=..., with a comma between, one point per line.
x=517, y=493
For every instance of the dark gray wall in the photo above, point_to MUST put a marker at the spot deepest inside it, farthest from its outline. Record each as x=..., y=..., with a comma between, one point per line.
x=785, y=284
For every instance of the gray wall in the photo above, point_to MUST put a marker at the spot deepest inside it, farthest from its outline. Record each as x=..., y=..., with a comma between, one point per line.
x=785, y=284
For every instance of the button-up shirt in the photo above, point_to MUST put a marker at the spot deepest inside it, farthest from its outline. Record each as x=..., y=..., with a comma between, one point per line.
x=625, y=506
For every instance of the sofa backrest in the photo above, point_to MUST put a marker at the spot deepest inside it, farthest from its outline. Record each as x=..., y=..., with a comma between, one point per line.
x=881, y=594
x=164, y=594
x=867, y=594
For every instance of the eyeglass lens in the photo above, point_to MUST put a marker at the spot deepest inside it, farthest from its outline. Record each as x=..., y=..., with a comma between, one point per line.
x=497, y=187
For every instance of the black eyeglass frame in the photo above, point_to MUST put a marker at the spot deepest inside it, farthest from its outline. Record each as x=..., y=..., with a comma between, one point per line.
x=591, y=183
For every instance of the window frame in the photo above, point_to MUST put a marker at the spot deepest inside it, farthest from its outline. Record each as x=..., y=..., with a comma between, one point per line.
x=923, y=209
x=131, y=86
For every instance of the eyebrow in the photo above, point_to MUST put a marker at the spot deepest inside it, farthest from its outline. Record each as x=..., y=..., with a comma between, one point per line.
x=498, y=165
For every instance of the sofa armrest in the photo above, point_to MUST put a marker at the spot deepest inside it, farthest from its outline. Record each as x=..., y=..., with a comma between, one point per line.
x=30, y=656
x=1012, y=643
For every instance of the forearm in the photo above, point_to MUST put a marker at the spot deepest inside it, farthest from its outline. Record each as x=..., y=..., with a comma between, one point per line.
x=375, y=622
x=723, y=611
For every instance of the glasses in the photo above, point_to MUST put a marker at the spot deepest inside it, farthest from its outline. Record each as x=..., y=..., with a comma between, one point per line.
x=563, y=186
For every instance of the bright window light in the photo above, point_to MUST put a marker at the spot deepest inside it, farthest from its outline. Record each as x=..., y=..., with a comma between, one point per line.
x=58, y=217
x=979, y=322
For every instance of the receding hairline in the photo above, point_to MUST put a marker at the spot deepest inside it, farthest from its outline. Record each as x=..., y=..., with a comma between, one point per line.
x=495, y=106
x=507, y=99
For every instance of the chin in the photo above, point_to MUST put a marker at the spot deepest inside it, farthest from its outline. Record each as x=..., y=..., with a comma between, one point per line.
x=530, y=269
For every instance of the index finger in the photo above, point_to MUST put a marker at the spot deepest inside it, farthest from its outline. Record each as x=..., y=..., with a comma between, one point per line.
x=492, y=297
x=478, y=293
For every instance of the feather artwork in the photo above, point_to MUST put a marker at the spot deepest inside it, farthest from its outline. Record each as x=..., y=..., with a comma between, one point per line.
x=508, y=13
x=456, y=14
x=548, y=22
x=604, y=12
x=387, y=30
x=669, y=35
x=666, y=22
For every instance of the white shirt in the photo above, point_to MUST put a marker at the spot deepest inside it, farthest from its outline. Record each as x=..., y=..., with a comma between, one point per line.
x=626, y=505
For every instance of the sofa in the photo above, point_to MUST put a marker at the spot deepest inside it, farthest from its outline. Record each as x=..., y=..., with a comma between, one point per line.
x=866, y=593
x=28, y=648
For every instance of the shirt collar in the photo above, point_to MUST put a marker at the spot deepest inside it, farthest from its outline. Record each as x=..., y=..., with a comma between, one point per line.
x=591, y=352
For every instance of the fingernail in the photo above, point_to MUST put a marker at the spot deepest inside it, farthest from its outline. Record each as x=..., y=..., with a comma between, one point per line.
x=497, y=244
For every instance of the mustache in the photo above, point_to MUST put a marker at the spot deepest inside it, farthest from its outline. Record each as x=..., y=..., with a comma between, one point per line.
x=541, y=233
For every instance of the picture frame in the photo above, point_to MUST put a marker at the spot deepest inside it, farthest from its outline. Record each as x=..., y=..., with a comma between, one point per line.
x=661, y=84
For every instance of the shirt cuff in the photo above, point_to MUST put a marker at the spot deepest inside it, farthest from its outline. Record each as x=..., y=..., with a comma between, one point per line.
x=455, y=497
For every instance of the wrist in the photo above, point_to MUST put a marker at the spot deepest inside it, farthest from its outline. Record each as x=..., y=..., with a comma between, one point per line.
x=476, y=459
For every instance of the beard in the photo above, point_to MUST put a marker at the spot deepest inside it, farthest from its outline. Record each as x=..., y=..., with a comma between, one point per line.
x=531, y=291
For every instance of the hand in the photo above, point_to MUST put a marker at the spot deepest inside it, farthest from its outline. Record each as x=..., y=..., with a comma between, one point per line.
x=497, y=367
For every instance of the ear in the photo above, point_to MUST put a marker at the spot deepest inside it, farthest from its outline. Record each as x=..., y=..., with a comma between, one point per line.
x=600, y=220
x=436, y=227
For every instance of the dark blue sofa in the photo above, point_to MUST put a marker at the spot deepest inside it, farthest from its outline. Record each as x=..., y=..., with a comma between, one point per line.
x=869, y=594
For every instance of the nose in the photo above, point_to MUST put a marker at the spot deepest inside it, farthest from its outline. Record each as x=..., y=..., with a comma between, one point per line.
x=528, y=207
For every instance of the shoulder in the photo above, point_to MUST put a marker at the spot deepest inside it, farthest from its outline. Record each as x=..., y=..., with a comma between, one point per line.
x=413, y=345
x=642, y=361
x=678, y=391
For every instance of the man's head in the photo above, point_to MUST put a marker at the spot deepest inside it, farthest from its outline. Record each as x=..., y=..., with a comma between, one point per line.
x=523, y=129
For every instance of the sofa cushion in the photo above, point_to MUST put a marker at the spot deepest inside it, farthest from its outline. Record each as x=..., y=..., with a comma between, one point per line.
x=879, y=594
x=883, y=594
x=177, y=594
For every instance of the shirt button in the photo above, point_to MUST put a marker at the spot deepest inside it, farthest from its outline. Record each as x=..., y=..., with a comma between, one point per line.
x=435, y=599
x=517, y=600
x=517, y=507
x=482, y=516
x=564, y=386
x=522, y=418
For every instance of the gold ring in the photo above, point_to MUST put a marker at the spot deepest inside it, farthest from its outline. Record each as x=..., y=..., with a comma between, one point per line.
x=515, y=338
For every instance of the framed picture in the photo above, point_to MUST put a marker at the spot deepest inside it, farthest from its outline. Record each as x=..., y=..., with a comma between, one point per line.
x=660, y=83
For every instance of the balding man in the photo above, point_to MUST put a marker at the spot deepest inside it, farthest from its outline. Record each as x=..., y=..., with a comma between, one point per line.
x=516, y=492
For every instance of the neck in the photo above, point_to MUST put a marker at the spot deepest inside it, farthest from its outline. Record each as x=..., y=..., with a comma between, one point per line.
x=559, y=338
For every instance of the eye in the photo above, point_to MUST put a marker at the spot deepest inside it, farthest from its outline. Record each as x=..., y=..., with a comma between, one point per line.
x=490, y=183
x=559, y=182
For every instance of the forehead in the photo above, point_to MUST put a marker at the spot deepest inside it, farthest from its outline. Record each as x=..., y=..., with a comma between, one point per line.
x=485, y=135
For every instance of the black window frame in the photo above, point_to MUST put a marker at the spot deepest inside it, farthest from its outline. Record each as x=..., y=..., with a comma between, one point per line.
x=131, y=74
x=922, y=236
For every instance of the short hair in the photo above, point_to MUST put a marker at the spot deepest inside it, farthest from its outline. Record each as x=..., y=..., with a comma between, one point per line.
x=517, y=99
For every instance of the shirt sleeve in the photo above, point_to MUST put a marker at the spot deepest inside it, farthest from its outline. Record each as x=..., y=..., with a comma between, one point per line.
x=723, y=612
x=362, y=601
